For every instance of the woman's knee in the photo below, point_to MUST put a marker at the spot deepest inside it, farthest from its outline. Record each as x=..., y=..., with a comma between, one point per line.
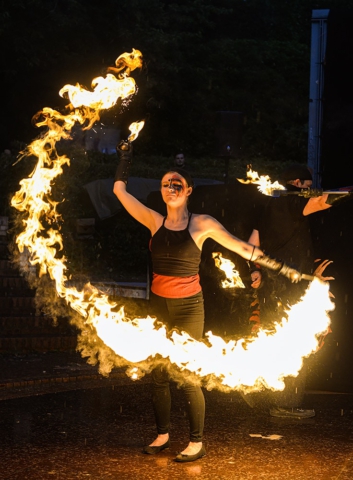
x=160, y=376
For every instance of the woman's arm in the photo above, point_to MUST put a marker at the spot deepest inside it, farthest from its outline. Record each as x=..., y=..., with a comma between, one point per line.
x=209, y=227
x=147, y=217
x=205, y=227
x=254, y=238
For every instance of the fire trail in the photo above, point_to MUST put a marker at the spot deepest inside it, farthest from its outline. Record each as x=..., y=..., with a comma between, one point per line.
x=140, y=343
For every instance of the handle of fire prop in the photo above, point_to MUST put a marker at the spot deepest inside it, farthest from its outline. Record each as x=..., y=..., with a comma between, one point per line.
x=334, y=195
x=304, y=192
x=279, y=267
x=339, y=196
x=124, y=151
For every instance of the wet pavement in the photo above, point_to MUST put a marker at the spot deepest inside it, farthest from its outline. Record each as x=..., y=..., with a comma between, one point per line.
x=97, y=430
x=25, y=375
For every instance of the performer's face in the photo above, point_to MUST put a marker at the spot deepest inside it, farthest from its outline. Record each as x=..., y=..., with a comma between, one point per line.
x=174, y=185
x=174, y=182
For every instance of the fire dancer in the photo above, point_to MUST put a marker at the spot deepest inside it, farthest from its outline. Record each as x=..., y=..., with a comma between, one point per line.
x=176, y=243
x=282, y=227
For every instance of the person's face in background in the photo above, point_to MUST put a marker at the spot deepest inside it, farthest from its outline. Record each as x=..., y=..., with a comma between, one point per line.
x=301, y=183
x=179, y=160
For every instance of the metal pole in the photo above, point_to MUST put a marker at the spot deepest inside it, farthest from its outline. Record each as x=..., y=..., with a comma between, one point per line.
x=316, y=87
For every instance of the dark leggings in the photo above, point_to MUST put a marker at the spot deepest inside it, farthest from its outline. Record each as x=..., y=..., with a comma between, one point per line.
x=186, y=314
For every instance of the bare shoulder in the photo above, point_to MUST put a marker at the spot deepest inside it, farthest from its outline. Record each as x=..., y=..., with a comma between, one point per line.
x=203, y=221
x=203, y=227
x=157, y=220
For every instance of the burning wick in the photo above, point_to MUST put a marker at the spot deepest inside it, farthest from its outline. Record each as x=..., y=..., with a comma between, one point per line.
x=264, y=183
x=135, y=129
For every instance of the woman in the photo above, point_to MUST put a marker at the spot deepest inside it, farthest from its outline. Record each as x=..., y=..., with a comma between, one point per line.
x=176, y=243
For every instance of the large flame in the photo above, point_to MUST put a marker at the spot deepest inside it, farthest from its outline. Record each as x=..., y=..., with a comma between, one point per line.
x=237, y=364
x=264, y=183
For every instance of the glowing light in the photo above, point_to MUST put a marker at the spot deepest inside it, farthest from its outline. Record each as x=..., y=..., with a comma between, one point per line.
x=234, y=363
x=233, y=279
x=135, y=129
x=264, y=183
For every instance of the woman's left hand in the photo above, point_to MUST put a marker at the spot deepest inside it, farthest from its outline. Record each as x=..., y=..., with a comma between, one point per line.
x=320, y=270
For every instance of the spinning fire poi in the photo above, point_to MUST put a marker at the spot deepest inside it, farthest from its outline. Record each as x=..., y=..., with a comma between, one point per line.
x=140, y=343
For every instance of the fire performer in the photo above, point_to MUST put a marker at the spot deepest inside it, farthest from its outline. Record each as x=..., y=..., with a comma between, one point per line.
x=176, y=298
x=282, y=227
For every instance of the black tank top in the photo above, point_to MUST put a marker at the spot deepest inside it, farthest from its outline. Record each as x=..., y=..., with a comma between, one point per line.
x=174, y=253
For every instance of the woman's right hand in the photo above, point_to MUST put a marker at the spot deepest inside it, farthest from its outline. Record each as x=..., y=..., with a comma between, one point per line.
x=124, y=151
x=256, y=279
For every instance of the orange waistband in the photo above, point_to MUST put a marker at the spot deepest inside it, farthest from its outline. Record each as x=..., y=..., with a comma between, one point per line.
x=175, y=287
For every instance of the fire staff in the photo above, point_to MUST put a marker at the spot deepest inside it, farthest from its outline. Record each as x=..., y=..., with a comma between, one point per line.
x=176, y=243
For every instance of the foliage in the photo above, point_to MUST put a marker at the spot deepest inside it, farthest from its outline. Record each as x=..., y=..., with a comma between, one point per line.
x=201, y=56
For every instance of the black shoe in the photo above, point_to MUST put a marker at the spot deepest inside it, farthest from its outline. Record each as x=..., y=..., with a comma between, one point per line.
x=181, y=457
x=153, y=450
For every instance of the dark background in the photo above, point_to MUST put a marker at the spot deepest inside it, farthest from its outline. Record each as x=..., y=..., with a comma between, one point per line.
x=337, y=125
x=201, y=57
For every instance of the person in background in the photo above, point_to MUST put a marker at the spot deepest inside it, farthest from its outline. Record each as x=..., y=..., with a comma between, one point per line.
x=176, y=294
x=283, y=228
x=179, y=160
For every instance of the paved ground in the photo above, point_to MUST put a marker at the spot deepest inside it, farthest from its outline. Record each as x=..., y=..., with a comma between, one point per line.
x=26, y=375
x=91, y=428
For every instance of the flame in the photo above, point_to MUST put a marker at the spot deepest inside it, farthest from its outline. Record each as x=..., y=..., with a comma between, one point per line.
x=246, y=365
x=141, y=343
x=126, y=63
x=233, y=277
x=264, y=183
x=135, y=129
x=106, y=90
